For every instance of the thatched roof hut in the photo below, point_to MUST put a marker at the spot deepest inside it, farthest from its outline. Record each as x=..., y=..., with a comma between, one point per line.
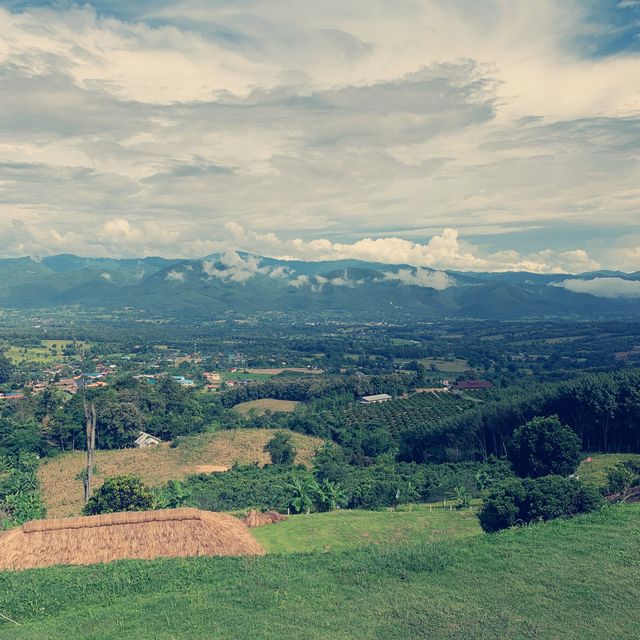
x=116, y=536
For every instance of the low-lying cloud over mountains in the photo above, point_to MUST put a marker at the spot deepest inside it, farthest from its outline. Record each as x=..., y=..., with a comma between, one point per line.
x=242, y=284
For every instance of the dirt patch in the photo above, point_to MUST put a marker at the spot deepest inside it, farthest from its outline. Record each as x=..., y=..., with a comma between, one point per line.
x=260, y=407
x=210, y=468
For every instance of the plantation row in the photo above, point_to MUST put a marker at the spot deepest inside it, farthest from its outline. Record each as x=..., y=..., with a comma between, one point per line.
x=404, y=413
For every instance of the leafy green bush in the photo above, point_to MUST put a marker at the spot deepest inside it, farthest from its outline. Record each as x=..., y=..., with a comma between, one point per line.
x=120, y=493
x=517, y=501
x=20, y=498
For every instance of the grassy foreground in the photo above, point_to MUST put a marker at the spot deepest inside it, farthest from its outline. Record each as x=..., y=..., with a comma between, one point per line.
x=342, y=530
x=570, y=579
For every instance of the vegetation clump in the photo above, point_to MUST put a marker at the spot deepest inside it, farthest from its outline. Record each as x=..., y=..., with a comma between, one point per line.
x=544, y=446
x=523, y=501
x=120, y=493
x=281, y=448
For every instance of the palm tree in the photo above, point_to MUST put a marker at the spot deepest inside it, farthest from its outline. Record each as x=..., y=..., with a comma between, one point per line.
x=330, y=495
x=304, y=491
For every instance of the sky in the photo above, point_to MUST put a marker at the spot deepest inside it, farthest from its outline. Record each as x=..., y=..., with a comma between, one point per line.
x=454, y=134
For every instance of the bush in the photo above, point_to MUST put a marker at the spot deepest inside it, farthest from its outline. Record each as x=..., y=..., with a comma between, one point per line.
x=622, y=477
x=120, y=493
x=501, y=508
x=281, y=449
x=542, y=447
x=517, y=501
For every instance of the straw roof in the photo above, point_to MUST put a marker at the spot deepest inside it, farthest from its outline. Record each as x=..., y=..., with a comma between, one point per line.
x=116, y=536
x=259, y=518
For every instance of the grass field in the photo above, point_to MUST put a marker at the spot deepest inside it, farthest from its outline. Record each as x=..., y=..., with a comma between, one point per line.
x=568, y=579
x=62, y=490
x=341, y=530
x=594, y=473
x=259, y=407
x=49, y=352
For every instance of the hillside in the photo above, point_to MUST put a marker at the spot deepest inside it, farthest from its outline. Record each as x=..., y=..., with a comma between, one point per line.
x=571, y=579
x=62, y=488
x=244, y=284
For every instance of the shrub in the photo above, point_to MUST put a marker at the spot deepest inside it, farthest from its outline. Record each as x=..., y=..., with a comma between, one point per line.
x=554, y=497
x=517, y=501
x=501, y=508
x=281, y=449
x=542, y=447
x=120, y=493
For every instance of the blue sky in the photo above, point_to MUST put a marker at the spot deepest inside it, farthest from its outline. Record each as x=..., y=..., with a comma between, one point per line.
x=495, y=135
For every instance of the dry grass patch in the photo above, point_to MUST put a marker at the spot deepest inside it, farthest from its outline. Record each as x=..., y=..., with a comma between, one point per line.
x=259, y=407
x=62, y=490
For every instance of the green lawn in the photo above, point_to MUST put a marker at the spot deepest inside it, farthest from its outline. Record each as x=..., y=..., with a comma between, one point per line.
x=568, y=579
x=594, y=473
x=341, y=530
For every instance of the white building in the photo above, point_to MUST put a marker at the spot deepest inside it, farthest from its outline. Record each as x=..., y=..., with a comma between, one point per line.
x=379, y=397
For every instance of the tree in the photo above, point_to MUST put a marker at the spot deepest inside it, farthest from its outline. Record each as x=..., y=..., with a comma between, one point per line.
x=304, y=491
x=542, y=447
x=6, y=369
x=330, y=496
x=281, y=449
x=119, y=424
x=120, y=493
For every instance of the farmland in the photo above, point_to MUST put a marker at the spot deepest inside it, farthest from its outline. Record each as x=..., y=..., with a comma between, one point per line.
x=259, y=407
x=569, y=579
x=62, y=487
x=402, y=413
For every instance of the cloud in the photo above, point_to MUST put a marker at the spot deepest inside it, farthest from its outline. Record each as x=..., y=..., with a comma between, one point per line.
x=131, y=129
x=603, y=287
x=438, y=280
x=233, y=267
x=442, y=251
x=175, y=276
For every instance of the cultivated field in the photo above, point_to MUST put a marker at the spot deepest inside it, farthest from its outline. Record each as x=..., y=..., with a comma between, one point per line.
x=259, y=407
x=341, y=530
x=62, y=488
x=567, y=579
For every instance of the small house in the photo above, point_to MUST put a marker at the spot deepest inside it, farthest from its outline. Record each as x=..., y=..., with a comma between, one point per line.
x=146, y=440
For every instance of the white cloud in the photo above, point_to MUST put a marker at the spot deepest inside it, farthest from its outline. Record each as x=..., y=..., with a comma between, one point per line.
x=603, y=287
x=353, y=127
x=438, y=280
x=234, y=268
x=299, y=281
x=175, y=276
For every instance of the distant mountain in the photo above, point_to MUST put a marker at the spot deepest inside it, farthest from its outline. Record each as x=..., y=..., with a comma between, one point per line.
x=242, y=283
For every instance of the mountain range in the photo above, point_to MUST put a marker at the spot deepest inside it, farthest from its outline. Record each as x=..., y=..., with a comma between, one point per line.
x=245, y=284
